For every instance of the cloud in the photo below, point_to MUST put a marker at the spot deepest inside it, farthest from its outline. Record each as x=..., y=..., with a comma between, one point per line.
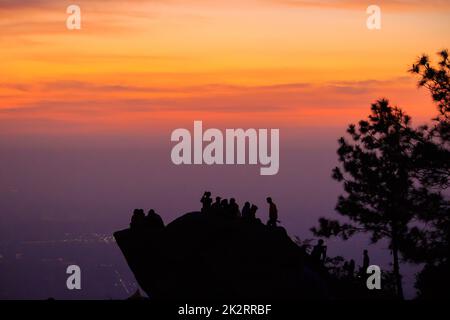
x=45, y=4
x=16, y=86
x=88, y=99
x=43, y=17
x=113, y=5
x=89, y=107
x=24, y=4
x=392, y=5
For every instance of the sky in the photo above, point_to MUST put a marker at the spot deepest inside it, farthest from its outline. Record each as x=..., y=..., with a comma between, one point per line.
x=164, y=61
x=86, y=115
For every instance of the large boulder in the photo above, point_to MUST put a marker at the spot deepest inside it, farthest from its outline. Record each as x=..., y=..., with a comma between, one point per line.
x=202, y=256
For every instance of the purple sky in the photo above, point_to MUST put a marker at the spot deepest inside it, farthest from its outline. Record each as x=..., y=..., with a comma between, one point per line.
x=61, y=184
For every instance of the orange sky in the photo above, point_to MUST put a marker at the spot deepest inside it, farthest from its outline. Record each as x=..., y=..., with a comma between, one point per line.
x=275, y=62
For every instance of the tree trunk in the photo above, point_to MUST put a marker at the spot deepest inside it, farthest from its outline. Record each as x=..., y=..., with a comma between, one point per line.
x=397, y=275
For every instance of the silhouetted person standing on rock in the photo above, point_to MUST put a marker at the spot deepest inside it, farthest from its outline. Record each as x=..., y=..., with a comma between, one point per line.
x=224, y=208
x=246, y=211
x=137, y=219
x=253, y=210
x=273, y=213
x=206, y=202
x=153, y=220
x=215, y=207
x=234, y=208
x=319, y=253
x=366, y=263
x=351, y=269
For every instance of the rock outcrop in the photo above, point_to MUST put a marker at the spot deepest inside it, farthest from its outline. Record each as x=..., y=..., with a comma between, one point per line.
x=205, y=257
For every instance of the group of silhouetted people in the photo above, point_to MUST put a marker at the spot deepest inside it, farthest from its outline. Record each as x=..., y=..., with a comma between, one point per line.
x=220, y=207
x=319, y=255
x=225, y=208
x=151, y=221
x=249, y=211
x=349, y=267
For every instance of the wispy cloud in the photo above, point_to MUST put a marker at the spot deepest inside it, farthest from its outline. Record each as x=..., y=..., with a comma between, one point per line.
x=43, y=17
x=392, y=5
x=85, y=97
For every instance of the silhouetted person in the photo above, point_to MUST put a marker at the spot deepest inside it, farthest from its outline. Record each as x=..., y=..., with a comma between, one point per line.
x=366, y=262
x=153, y=220
x=351, y=269
x=253, y=210
x=273, y=213
x=206, y=202
x=137, y=219
x=215, y=207
x=319, y=252
x=224, y=208
x=234, y=208
x=246, y=211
